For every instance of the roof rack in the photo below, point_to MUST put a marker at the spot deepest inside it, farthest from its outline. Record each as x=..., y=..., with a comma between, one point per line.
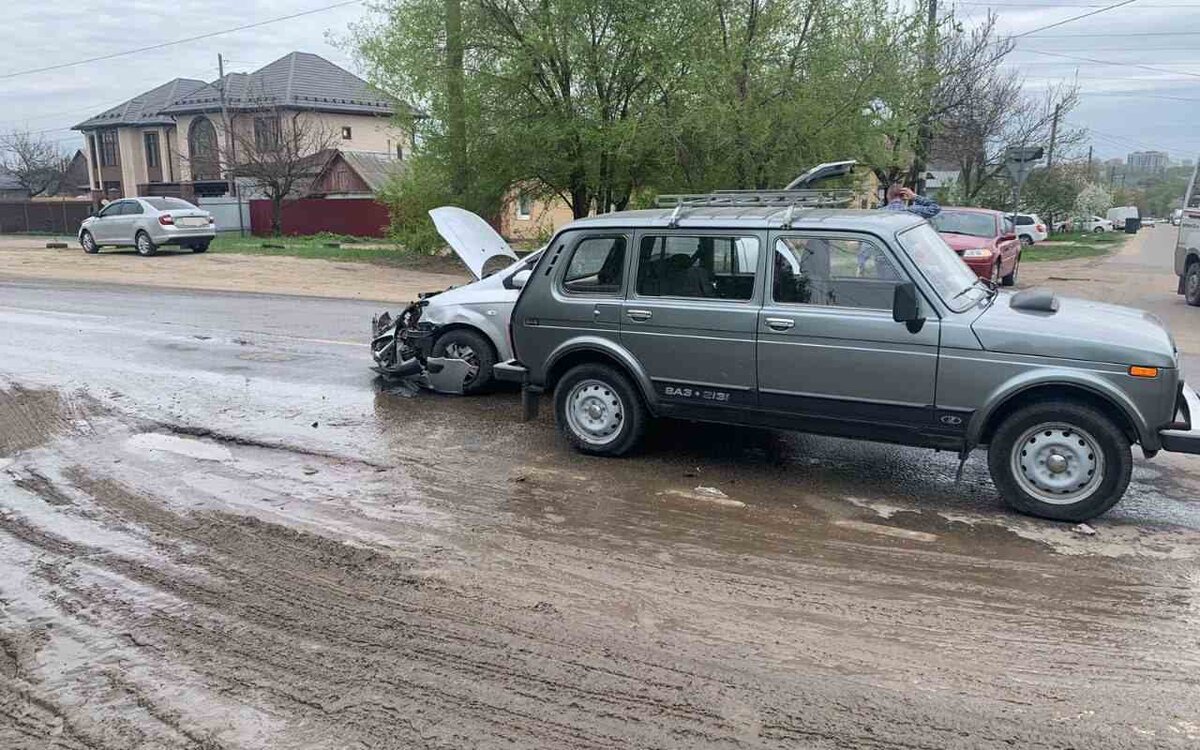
x=789, y=199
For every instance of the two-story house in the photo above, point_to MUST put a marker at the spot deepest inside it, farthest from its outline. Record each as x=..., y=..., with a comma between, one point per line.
x=183, y=137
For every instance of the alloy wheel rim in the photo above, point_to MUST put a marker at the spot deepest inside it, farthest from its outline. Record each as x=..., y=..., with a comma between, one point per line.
x=143, y=244
x=1057, y=463
x=466, y=354
x=595, y=413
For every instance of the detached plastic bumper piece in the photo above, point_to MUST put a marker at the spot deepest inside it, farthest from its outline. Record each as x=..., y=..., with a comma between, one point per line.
x=1183, y=435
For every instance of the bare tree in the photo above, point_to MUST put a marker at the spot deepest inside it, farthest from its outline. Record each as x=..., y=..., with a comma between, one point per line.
x=35, y=162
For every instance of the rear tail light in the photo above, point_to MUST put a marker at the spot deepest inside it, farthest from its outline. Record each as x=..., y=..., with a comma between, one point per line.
x=1041, y=227
x=166, y=220
x=211, y=220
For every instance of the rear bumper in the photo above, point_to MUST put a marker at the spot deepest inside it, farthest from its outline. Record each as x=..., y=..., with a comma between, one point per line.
x=183, y=236
x=511, y=371
x=1183, y=435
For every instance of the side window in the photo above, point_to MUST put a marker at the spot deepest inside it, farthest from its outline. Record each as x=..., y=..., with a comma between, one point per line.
x=112, y=209
x=596, y=266
x=695, y=266
x=132, y=208
x=833, y=272
x=1023, y=220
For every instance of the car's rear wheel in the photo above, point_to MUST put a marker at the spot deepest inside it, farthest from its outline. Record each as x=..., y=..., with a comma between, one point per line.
x=89, y=243
x=599, y=410
x=1061, y=460
x=1026, y=240
x=145, y=246
x=1191, y=283
x=472, y=348
x=1098, y=230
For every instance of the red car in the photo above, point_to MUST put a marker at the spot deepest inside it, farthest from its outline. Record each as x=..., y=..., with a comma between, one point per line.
x=985, y=239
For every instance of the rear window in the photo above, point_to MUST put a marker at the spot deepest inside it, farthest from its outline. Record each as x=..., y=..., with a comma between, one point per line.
x=697, y=266
x=166, y=204
x=1024, y=219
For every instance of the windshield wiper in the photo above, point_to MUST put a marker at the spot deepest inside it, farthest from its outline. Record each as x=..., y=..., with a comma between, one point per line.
x=988, y=288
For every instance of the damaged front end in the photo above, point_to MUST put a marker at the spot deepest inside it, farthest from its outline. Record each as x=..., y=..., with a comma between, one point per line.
x=401, y=347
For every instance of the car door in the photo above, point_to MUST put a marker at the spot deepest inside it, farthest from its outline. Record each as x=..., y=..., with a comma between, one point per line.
x=691, y=312
x=131, y=214
x=104, y=227
x=828, y=348
x=586, y=276
x=1008, y=245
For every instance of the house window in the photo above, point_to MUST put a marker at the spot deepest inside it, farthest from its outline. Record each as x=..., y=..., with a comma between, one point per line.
x=152, y=156
x=345, y=132
x=108, y=148
x=524, y=206
x=266, y=133
x=400, y=151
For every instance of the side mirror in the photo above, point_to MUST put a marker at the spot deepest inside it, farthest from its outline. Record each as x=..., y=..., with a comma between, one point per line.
x=520, y=278
x=906, y=306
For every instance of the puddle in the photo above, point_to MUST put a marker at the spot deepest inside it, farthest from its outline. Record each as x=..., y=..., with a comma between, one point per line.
x=153, y=442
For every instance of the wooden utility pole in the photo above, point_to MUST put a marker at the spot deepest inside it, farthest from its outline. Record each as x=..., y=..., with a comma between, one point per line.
x=1053, y=136
x=230, y=181
x=925, y=129
x=1089, y=167
x=456, y=110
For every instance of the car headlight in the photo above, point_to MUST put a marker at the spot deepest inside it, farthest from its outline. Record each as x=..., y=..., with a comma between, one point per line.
x=977, y=252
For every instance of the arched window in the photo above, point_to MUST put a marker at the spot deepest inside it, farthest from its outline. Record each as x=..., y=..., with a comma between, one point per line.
x=202, y=150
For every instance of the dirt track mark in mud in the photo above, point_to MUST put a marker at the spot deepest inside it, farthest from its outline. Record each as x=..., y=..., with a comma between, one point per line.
x=206, y=433
x=29, y=417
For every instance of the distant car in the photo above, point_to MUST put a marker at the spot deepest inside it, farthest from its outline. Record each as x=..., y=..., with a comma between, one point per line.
x=1030, y=229
x=984, y=239
x=148, y=224
x=1176, y=217
x=1149, y=221
x=1093, y=224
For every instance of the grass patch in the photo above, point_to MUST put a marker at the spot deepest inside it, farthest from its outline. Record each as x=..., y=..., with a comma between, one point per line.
x=337, y=247
x=1069, y=246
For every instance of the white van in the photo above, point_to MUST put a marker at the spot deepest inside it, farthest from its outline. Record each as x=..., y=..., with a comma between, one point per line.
x=1118, y=214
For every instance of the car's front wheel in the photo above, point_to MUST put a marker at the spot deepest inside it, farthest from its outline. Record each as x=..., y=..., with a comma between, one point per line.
x=599, y=410
x=1191, y=283
x=1011, y=278
x=472, y=348
x=89, y=243
x=1098, y=230
x=1061, y=460
x=145, y=246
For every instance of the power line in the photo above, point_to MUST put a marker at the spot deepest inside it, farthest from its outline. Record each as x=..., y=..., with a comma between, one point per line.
x=1065, y=21
x=1118, y=33
x=198, y=37
x=1117, y=64
x=1051, y=6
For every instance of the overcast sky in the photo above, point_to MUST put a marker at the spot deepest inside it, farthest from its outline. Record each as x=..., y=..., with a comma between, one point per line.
x=1125, y=107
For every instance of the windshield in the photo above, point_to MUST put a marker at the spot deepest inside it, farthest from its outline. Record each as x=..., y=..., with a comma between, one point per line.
x=976, y=225
x=947, y=272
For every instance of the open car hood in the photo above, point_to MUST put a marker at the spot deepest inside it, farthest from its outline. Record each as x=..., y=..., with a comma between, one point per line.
x=820, y=173
x=471, y=238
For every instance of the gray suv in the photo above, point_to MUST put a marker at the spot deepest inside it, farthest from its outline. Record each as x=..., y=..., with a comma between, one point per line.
x=755, y=310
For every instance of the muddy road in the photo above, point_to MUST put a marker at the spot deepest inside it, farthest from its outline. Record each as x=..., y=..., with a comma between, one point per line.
x=217, y=530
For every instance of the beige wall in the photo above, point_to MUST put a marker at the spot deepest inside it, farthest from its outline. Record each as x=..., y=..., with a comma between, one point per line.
x=367, y=133
x=133, y=160
x=546, y=216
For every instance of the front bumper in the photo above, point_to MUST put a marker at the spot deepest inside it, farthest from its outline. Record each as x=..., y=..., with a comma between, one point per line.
x=1183, y=434
x=981, y=266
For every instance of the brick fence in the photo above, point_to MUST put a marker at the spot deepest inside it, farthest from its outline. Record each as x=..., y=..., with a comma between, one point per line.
x=51, y=217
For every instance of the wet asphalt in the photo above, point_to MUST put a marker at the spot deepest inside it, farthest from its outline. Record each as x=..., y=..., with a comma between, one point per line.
x=219, y=529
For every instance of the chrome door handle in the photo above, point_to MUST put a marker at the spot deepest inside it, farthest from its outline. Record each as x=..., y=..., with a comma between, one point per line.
x=639, y=314
x=780, y=324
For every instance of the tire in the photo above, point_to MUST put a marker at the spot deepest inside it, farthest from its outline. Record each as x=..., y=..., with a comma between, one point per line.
x=1026, y=240
x=201, y=248
x=461, y=343
x=599, y=411
x=89, y=243
x=1191, y=283
x=1082, y=439
x=145, y=246
x=1011, y=278
x=1098, y=230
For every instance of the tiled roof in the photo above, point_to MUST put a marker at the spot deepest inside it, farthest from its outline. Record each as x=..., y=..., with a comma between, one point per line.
x=299, y=80
x=145, y=108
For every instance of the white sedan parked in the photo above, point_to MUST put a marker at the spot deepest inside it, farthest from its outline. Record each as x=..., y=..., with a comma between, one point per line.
x=147, y=224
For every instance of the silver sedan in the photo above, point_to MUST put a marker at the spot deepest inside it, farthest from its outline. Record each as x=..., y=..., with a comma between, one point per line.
x=147, y=224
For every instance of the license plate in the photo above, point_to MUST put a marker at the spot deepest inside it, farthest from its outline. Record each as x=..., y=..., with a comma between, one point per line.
x=192, y=222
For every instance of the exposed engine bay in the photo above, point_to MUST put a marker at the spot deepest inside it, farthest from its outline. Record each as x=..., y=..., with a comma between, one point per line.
x=401, y=348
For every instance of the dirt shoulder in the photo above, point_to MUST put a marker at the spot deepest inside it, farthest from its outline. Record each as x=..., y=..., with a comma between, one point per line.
x=28, y=257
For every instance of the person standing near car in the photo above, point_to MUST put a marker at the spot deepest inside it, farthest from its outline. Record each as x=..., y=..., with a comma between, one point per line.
x=900, y=198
